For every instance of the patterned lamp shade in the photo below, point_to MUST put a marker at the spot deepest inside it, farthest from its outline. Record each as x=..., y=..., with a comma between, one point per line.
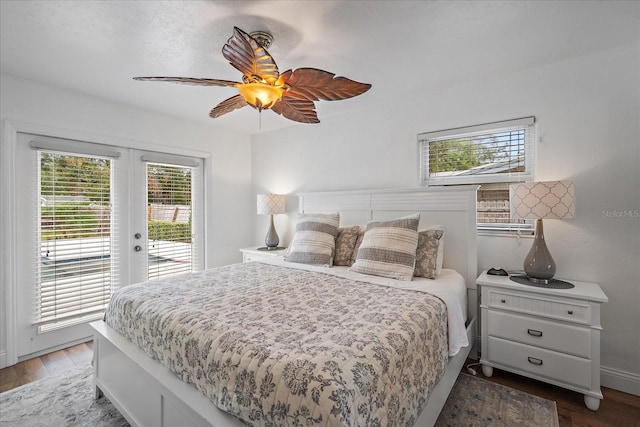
x=550, y=199
x=271, y=204
x=539, y=200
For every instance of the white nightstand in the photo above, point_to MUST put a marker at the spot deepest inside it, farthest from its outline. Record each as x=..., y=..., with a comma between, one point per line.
x=552, y=335
x=253, y=253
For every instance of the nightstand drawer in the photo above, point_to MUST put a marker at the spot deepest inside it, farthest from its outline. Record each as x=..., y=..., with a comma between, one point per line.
x=255, y=253
x=573, y=311
x=549, y=364
x=562, y=337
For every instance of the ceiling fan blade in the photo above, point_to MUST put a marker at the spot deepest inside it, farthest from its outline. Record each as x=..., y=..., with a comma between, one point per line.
x=315, y=84
x=190, y=81
x=247, y=56
x=227, y=106
x=298, y=110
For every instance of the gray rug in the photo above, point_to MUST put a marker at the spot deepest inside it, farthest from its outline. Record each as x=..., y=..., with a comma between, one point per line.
x=63, y=400
x=67, y=400
x=477, y=402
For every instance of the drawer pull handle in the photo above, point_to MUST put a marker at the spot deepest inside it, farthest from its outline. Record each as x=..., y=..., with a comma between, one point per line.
x=534, y=333
x=570, y=312
x=534, y=361
x=503, y=301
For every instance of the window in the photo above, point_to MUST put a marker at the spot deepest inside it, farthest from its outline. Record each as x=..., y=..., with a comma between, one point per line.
x=76, y=266
x=87, y=229
x=491, y=155
x=169, y=220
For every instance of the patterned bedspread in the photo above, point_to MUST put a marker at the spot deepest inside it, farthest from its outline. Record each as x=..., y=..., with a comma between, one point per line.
x=278, y=346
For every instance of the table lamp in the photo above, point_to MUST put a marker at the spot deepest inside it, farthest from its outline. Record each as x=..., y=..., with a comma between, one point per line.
x=541, y=200
x=271, y=204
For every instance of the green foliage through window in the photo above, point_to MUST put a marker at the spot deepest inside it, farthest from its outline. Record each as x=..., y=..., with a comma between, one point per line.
x=505, y=151
x=74, y=196
x=168, y=185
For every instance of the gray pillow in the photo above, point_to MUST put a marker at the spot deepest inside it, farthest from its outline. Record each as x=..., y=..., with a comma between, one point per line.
x=427, y=253
x=354, y=255
x=345, y=243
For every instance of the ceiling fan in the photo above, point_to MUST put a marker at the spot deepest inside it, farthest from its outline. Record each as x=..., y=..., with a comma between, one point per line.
x=290, y=94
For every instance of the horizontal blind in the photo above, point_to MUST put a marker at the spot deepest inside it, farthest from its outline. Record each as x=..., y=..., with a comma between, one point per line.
x=478, y=154
x=492, y=155
x=76, y=264
x=497, y=152
x=170, y=219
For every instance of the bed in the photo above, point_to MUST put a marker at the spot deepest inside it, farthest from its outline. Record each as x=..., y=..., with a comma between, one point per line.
x=282, y=343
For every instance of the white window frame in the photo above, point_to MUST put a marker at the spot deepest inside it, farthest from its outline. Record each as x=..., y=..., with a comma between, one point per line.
x=66, y=147
x=195, y=249
x=12, y=192
x=526, y=123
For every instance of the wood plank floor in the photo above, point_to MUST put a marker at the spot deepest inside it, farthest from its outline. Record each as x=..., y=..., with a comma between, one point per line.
x=618, y=409
x=49, y=364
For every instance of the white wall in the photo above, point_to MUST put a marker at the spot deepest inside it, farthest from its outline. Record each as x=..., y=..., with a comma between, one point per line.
x=587, y=111
x=230, y=205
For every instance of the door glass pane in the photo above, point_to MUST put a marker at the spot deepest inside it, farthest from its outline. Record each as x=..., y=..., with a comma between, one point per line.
x=75, y=271
x=169, y=220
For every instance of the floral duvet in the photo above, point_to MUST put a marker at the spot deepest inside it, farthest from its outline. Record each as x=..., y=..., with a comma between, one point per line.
x=279, y=346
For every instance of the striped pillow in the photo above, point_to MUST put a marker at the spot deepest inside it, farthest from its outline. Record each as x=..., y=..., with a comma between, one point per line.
x=388, y=248
x=314, y=241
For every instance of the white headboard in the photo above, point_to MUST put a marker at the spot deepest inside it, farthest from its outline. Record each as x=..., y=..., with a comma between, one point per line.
x=452, y=207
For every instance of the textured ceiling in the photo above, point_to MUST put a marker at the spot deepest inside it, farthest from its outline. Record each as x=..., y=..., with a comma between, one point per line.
x=96, y=47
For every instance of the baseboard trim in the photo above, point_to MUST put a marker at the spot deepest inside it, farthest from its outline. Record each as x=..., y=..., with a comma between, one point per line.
x=616, y=379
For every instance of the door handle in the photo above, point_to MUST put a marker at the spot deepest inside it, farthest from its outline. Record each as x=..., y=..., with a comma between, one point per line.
x=534, y=333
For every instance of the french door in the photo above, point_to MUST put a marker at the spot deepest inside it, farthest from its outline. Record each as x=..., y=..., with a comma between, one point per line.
x=93, y=218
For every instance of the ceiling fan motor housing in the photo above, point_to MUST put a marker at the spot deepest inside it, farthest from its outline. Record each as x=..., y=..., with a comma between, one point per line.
x=263, y=38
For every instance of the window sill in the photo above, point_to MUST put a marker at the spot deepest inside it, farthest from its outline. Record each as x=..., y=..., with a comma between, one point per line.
x=523, y=234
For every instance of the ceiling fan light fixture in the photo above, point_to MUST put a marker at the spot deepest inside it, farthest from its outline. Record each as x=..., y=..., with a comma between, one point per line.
x=291, y=94
x=260, y=95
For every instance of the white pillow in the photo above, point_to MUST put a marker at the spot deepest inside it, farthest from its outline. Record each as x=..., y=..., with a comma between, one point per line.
x=314, y=239
x=388, y=248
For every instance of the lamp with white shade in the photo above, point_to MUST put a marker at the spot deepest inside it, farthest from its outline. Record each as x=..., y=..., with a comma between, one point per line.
x=541, y=200
x=271, y=204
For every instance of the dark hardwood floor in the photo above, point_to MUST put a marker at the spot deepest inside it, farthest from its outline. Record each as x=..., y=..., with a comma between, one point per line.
x=49, y=364
x=617, y=409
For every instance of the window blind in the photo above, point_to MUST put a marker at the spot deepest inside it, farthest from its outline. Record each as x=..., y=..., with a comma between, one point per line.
x=171, y=196
x=492, y=155
x=77, y=266
x=494, y=152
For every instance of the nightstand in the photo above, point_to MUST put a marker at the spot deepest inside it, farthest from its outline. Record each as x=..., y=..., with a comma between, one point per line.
x=552, y=335
x=253, y=253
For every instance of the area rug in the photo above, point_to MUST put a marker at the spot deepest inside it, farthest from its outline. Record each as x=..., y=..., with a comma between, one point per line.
x=63, y=400
x=67, y=400
x=477, y=402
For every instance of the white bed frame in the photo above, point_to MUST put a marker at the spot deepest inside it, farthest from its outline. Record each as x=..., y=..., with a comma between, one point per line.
x=149, y=394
